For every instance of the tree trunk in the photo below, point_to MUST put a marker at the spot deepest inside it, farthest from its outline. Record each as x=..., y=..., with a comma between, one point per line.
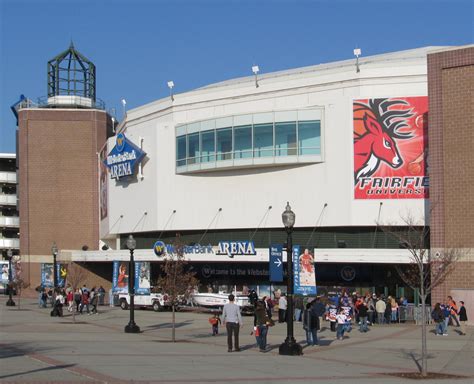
x=424, y=352
x=173, y=333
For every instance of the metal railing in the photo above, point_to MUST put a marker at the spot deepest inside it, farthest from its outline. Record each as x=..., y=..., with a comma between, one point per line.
x=62, y=101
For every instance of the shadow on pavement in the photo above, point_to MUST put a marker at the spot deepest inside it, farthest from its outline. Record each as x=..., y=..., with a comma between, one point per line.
x=64, y=366
x=168, y=325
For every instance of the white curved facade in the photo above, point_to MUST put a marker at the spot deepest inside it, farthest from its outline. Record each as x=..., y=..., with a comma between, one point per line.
x=233, y=197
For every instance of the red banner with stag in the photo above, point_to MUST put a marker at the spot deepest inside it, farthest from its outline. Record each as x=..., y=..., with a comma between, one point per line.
x=390, y=148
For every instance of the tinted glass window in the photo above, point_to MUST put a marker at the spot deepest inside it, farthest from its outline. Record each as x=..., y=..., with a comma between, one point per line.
x=243, y=141
x=208, y=146
x=285, y=139
x=309, y=137
x=263, y=140
x=224, y=143
x=193, y=148
x=181, y=151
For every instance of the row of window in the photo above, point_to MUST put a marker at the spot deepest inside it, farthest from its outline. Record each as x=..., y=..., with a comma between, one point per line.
x=290, y=138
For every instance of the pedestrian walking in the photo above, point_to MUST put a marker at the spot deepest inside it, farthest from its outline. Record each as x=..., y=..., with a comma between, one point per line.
x=453, y=311
x=380, y=307
x=94, y=300
x=363, y=310
x=70, y=300
x=77, y=298
x=232, y=319
x=282, y=305
x=299, y=307
x=101, y=292
x=84, y=301
x=462, y=318
x=261, y=324
x=310, y=325
x=437, y=314
x=341, y=319
x=215, y=321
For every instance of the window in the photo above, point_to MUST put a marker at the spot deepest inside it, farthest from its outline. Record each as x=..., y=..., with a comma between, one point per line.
x=224, y=143
x=263, y=140
x=181, y=151
x=243, y=142
x=285, y=139
x=309, y=137
x=268, y=136
x=193, y=148
x=208, y=150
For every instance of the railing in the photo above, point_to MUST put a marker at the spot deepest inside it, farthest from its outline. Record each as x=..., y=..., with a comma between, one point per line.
x=411, y=312
x=7, y=199
x=69, y=101
x=9, y=243
x=10, y=221
x=8, y=177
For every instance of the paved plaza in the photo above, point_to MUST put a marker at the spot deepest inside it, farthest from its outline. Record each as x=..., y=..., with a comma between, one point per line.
x=37, y=348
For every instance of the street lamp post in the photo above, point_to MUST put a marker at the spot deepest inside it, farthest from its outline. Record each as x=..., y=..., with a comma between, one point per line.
x=54, y=251
x=10, y=302
x=290, y=347
x=131, y=327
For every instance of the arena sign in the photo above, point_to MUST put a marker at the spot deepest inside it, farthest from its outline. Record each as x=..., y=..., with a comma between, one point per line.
x=123, y=159
x=227, y=248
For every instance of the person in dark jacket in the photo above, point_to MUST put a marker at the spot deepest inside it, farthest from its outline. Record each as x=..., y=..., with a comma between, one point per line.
x=363, y=317
x=310, y=325
x=317, y=310
x=261, y=324
x=462, y=318
x=438, y=317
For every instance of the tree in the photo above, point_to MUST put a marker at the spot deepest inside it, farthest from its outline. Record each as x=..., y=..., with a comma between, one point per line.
x=176, y=280
x=76, y=275
x=19, y=283
x=426, y=270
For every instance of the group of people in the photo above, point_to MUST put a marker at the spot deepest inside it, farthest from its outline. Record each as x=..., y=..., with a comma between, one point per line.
x=340, y=312
x=445, y=314
x=76, y=301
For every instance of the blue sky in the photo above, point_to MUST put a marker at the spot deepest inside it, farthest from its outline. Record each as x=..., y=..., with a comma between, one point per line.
x=137, y=46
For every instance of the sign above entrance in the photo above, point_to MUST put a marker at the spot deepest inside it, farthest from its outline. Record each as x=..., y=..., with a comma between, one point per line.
x=225, y=248
x=123, y=158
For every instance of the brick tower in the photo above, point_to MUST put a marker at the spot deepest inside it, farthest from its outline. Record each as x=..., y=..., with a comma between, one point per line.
x=58, y=143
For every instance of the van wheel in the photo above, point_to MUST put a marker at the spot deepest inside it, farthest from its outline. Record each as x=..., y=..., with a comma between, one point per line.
x=123, y=304
x=157, y=306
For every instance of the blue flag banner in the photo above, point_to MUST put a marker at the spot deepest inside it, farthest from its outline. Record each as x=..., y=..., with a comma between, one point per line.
x=47, y=277
x=303, y=271
x=61, y=273
x=120, y=277
x=276, y=263
x=142, y=278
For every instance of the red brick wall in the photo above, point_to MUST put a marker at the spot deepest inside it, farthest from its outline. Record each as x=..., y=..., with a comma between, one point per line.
x=451, y=155
x=58, y=180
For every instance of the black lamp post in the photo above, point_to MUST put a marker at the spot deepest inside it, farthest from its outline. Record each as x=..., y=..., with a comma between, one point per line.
x=10, y=302
x=131, y=327
x=54, y=251
x=290, y=347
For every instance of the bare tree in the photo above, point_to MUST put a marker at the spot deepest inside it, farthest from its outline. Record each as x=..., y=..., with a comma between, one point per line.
x=427, y=269
x=76, y=275
x=176, y=279
x=19, y=283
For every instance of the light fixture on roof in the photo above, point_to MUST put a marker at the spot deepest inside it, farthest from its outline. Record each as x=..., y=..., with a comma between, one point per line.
x=171, y=86
x=255, y=70
x=357, y=53
x=124, y=103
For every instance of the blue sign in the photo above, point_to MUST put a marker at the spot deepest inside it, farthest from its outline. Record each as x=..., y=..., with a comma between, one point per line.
x=142, y=278
x=276, y=263
x=123, y=158
x=159, y=248
x=120, y=277
x=47, y=277
x=61, y=273
x=304, y=276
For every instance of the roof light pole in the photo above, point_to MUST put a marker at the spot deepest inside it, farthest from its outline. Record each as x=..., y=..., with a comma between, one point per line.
x=357, y=53
x=171, y=86
x=256, y=70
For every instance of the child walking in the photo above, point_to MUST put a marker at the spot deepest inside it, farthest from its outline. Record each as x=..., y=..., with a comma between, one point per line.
x=215, y=321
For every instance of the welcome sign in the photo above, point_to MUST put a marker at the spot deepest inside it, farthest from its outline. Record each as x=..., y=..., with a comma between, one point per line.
x=123, y=158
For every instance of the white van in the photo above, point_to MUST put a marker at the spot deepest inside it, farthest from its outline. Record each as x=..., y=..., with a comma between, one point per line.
x=157, y=301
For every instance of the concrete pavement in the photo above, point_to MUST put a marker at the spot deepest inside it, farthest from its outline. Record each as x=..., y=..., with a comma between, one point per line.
x=37, y=348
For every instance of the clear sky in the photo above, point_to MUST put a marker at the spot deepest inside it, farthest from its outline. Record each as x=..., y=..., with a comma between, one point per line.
x=138, y=45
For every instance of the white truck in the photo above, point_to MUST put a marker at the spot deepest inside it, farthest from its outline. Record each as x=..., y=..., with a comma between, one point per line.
x=157, y=301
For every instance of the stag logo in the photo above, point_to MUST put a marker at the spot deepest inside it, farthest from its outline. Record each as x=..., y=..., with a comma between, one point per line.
x=378, y=126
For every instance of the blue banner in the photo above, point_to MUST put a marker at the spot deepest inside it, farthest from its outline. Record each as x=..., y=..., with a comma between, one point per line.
x=5, y=268
x=47, y=277
x=61, y=273
x=303, y=272
x=142, y=278
x=120, y=277
x=123, y=158
x=276, y=263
